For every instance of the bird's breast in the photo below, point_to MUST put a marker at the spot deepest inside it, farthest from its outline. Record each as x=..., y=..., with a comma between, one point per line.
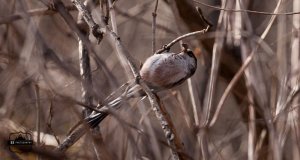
x=165, y=70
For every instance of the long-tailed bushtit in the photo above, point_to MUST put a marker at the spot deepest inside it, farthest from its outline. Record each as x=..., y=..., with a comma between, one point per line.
x=159, y=72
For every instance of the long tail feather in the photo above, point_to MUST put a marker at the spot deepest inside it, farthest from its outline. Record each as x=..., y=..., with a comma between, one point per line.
x=94, y=119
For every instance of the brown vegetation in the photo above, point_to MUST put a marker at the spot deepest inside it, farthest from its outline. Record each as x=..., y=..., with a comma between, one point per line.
x=60, y=58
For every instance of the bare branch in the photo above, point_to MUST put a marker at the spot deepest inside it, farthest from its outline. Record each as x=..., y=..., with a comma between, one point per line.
x=141, y=20
x=96, y=30
x=154, y=26
x=245, y=10
x=38, y=117
x=169, y=45
x=30, y=13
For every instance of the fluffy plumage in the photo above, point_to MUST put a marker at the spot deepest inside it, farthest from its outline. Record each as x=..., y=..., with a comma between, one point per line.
x=163, y=71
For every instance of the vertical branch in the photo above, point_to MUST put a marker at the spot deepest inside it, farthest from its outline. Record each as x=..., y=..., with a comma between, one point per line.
x=49, y=123
x=252, y=130
x=282, y=73
x=273, y=137
x=112, y=14
x=86, y=76
x=295, y=60
x=191, y=91
x=239, y=24
x=166, y=124
x=123, y=58
x=104, y=9
x=86, y=15
x=38, y=119
x=154, y=27
x=84, y=61
x=282, y=70
x=214, y=68
x=208, y=102
x=229, y=88
x=195, y=113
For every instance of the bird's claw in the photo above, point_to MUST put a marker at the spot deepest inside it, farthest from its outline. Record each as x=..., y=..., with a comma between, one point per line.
x=137, y=79
x=166, y=48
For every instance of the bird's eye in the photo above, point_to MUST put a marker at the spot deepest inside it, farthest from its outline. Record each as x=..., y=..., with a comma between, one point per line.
x=190, y=53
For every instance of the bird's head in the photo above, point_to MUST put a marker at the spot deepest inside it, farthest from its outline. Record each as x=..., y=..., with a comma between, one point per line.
x=185, y=49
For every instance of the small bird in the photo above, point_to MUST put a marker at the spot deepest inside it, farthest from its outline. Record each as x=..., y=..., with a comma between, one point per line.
x=159, y=72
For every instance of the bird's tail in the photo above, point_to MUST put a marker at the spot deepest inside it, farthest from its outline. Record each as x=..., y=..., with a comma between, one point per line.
x=132, y=91
x=96, y=117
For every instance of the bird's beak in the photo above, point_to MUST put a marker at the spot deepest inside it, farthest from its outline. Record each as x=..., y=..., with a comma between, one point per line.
x=184, y=47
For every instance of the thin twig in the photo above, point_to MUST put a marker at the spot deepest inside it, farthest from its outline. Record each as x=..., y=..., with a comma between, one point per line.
x=290, y=98
x=96, y=30
x=195, y=111
x=169, y=45
x=85, y=68
x=208, y=101
x=295, y=41
x=260, y=141
x=49, y=122
x=216, y=56
x=154, y=26
x=261, y=99
x=142, y=20
x=252, y=130
x=230, y=86
x=30, y=13
x=38, y=117
x=112, y=15
x=183, y=107
x=121, y=56
x=202, y=17
x=245, y=10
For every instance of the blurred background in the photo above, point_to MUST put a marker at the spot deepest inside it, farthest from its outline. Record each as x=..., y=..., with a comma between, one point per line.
x=242, y=102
